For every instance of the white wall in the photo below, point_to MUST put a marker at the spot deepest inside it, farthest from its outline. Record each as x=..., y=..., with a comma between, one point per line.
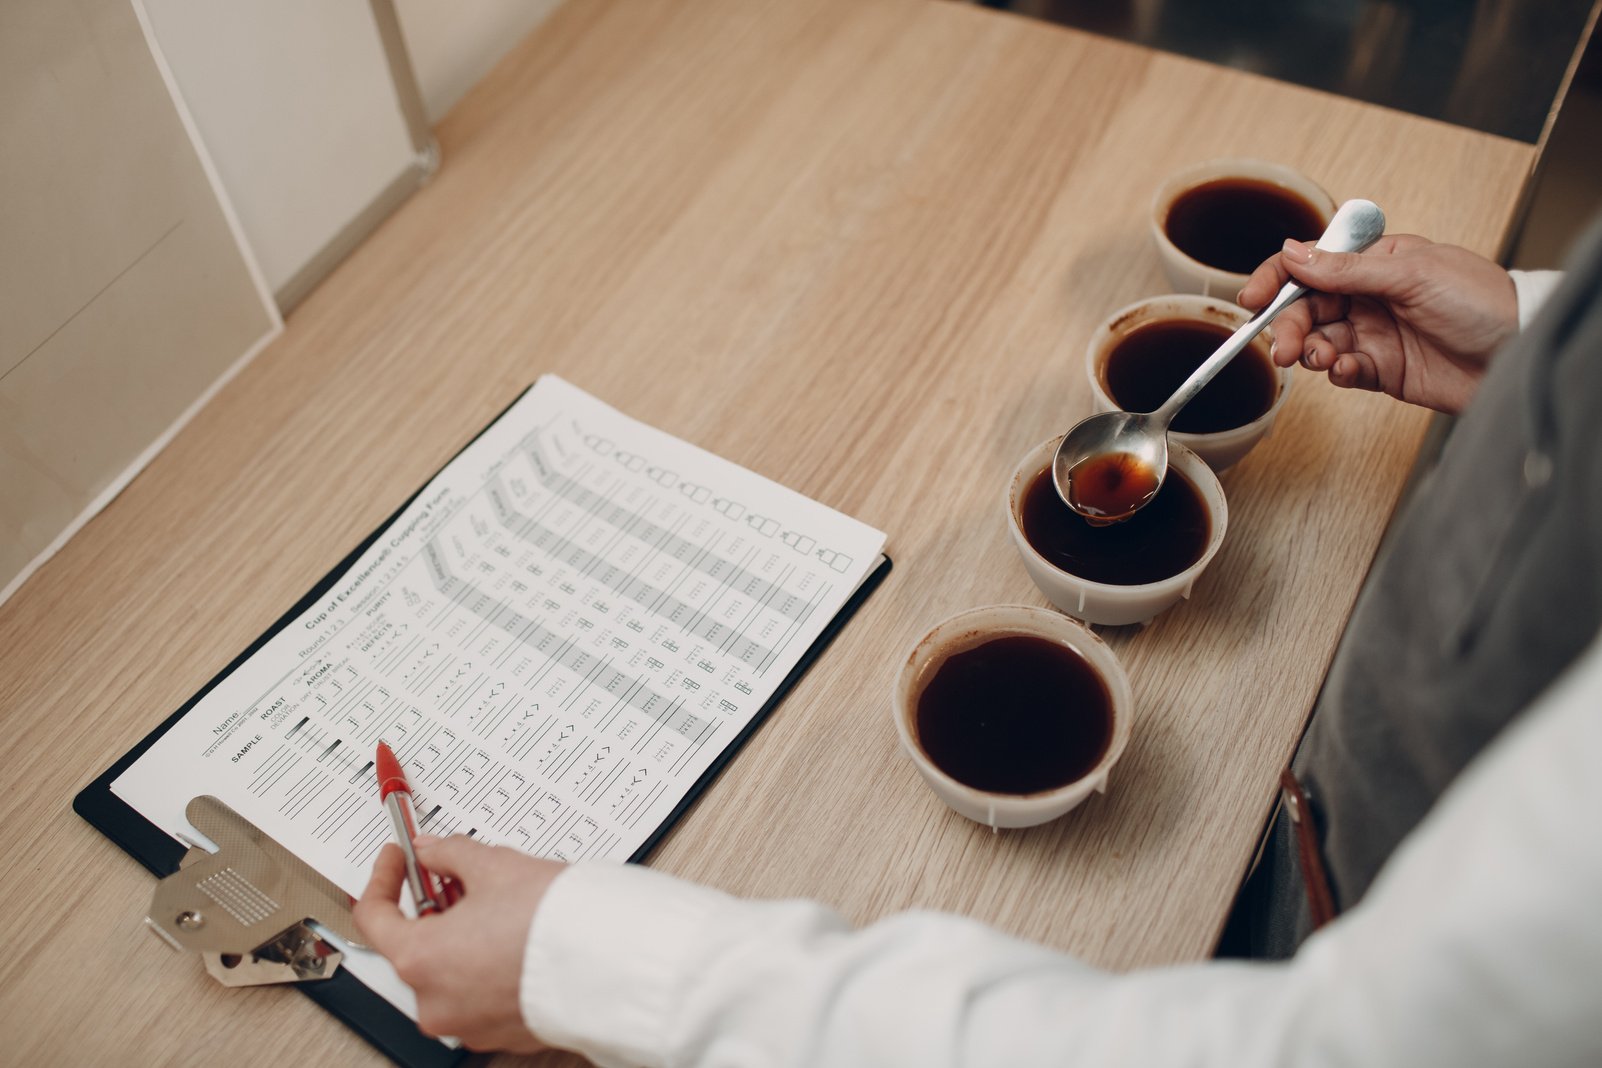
x=297, y=107
x=126, y=296
x=453, y=45
x=295, y=102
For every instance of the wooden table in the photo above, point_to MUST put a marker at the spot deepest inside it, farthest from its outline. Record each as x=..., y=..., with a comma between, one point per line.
x=855, y=246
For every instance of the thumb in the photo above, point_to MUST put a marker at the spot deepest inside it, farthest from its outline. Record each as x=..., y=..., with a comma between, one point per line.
x=1345, y=272
x=458, y=856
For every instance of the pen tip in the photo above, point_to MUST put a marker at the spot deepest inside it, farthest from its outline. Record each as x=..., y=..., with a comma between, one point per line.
x=387, y=768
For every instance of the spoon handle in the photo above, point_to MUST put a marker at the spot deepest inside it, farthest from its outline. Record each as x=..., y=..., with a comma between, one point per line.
x=1356, y=225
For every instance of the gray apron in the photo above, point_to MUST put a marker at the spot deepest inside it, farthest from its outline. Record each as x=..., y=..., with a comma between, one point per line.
x=1489, y=586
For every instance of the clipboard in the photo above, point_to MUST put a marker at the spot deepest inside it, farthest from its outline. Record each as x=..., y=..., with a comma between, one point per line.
x=366, y=1012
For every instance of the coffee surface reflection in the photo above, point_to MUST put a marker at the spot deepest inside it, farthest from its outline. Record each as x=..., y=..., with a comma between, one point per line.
x=1147, y=365
x=1016, y=714
x=1160, y=540
x=1235, y=224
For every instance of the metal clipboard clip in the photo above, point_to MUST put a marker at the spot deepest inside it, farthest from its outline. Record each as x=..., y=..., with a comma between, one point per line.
x=248, y=909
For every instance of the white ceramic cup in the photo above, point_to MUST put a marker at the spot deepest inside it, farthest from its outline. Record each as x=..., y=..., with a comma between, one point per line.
x=1189, y=275
x=1220, y=448
x=974, y=627
x=1102, y=602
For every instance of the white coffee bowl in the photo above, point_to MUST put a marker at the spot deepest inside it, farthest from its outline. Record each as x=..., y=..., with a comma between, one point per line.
x=1102, y=602
x=972, y=628
x=1220, y=448
x=1188, y=275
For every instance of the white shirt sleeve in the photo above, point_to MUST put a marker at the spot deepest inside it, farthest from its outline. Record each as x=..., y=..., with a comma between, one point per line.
x=1532, y=288
x=1479, y=945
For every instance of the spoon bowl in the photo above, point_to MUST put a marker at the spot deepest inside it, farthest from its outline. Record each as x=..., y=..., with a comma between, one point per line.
x=1110, y=465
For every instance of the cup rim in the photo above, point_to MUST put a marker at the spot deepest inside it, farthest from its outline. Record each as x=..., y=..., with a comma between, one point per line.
x=1033, y=621
x=1281, y=174
x=1197, y=469
x=1105, y=330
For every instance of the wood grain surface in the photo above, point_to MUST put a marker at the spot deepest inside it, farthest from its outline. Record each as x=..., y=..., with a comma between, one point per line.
x=855, y=246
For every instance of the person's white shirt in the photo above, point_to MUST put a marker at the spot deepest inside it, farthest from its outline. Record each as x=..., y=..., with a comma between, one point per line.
x=1480, y=944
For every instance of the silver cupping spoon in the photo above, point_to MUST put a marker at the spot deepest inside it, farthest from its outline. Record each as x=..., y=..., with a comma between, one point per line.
x=1110, y=465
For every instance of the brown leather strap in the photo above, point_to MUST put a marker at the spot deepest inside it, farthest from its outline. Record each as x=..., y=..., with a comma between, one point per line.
x=1320, y=900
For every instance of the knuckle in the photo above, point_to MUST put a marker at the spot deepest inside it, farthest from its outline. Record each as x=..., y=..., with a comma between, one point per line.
x=409, y=965
x=1338, y=264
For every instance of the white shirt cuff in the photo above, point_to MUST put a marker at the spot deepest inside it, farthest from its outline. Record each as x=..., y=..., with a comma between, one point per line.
x=1532, y=289
x=603, y=975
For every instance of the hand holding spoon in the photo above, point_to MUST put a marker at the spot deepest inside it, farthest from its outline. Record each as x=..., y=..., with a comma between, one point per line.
x=1110, y=465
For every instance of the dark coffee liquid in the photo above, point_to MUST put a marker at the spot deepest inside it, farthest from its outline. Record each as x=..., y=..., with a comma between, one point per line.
x=1015, y=715
x=1236, y=223
x=1162, y=539
x=1149, y=363
x=1110, y=486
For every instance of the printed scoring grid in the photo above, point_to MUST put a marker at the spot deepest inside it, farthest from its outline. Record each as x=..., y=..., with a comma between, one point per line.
x=562, y=648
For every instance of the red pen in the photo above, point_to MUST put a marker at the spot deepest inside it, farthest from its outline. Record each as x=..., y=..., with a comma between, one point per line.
x=396, y=794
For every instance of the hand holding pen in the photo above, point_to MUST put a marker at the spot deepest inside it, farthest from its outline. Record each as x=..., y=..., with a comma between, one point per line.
x=429, y=894
x=464, y=964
